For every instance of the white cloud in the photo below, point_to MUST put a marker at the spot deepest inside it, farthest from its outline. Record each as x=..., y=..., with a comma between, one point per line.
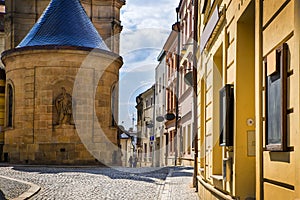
x=146, y=26
x=142, y=14
x=140, y=61
x=140, y=39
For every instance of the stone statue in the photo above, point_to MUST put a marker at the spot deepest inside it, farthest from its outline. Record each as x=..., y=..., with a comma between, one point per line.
x=63, y=104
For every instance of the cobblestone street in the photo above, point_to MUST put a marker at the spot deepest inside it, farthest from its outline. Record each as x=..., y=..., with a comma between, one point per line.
x=99, y=183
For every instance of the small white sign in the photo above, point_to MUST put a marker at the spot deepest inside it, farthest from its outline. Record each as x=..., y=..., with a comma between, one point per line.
x=251, y=143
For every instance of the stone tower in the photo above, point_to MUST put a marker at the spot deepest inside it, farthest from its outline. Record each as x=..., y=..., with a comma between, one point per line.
x=61, y=100
x=21, y=15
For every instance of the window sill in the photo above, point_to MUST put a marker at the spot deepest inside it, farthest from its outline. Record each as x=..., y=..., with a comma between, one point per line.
x=217, y=177
x=277, y=148
x=8, y=128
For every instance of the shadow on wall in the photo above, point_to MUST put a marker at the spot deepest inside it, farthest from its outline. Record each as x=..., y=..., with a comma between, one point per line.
x=280, y=156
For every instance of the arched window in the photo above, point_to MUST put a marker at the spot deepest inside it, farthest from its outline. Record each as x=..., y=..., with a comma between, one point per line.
x=10, y=96
x=2, y=97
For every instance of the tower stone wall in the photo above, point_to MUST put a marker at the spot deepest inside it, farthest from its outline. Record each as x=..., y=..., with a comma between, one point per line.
x=38, y=78
x=61, y=89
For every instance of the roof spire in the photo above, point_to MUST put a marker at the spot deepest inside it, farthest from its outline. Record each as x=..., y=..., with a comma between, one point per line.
x=64, y=23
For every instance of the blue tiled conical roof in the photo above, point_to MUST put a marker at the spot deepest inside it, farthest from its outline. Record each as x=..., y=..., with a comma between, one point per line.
x=64, y=23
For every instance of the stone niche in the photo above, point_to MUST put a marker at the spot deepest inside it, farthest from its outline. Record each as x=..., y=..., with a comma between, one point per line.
x=61, y=110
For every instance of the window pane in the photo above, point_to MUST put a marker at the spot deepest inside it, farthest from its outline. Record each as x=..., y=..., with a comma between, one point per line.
x=10, y=106
x=274, y=109
x=276, y=99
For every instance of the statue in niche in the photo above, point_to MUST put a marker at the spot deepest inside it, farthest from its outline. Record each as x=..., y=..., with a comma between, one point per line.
x=63, y=105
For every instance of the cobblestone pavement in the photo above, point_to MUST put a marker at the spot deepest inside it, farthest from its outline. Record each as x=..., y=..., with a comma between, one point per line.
x=178, y=185
x=103, y=183
x=100, y=183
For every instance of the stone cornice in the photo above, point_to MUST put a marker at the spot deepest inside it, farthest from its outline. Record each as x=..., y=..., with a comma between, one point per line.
x=9, y=52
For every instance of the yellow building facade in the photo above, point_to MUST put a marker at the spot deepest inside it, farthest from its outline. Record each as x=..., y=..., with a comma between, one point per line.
x=277, y=121
x=248, y=99
x=226, y=100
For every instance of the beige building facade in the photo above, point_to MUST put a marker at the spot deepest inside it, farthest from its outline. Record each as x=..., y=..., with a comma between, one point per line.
x=185, y=96
x=128, y=147
x=145, y=127
x=170, y=47
x=160, y=111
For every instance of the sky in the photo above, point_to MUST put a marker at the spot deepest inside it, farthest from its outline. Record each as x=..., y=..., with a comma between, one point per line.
x=146, y=26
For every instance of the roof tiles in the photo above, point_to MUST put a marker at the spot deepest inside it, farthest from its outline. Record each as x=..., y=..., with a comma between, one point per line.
x=64, y=23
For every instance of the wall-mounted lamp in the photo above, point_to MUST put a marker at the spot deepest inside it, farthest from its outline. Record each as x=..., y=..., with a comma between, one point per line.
x=170, y=116
x=147, y=118
x=188, y=78
x=184, y=47
x=149, y=124
x=160, y=118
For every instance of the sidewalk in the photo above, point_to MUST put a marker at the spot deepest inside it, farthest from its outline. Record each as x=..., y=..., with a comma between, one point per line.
x=16, y=189
x=178, y=185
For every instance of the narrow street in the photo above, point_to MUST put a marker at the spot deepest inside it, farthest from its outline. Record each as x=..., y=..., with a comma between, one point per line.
x=98, y=183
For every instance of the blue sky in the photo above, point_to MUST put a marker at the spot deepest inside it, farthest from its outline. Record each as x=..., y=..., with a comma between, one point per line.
x=146, y=26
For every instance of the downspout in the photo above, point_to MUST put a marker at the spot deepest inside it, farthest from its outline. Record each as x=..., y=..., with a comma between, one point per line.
x=258, y=102
x=177, y=84
x=195, y=113
x=153, y=129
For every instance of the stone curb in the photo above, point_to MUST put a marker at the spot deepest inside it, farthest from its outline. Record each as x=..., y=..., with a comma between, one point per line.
x=51, y=166
x=166, y=193
x=29, y=193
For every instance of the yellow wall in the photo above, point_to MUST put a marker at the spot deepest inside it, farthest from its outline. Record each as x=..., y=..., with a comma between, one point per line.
x=244, y=167
x=252, y=30
x=296, y=62
x=229, y=59
x=277, y=171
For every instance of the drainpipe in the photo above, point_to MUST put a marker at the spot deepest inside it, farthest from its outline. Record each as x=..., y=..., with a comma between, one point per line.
x=258, y=91
x=153, y=130
x=177, y=84
x=195, y=127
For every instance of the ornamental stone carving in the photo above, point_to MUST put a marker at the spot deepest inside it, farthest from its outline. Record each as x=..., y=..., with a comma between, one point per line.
x=63, y=105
